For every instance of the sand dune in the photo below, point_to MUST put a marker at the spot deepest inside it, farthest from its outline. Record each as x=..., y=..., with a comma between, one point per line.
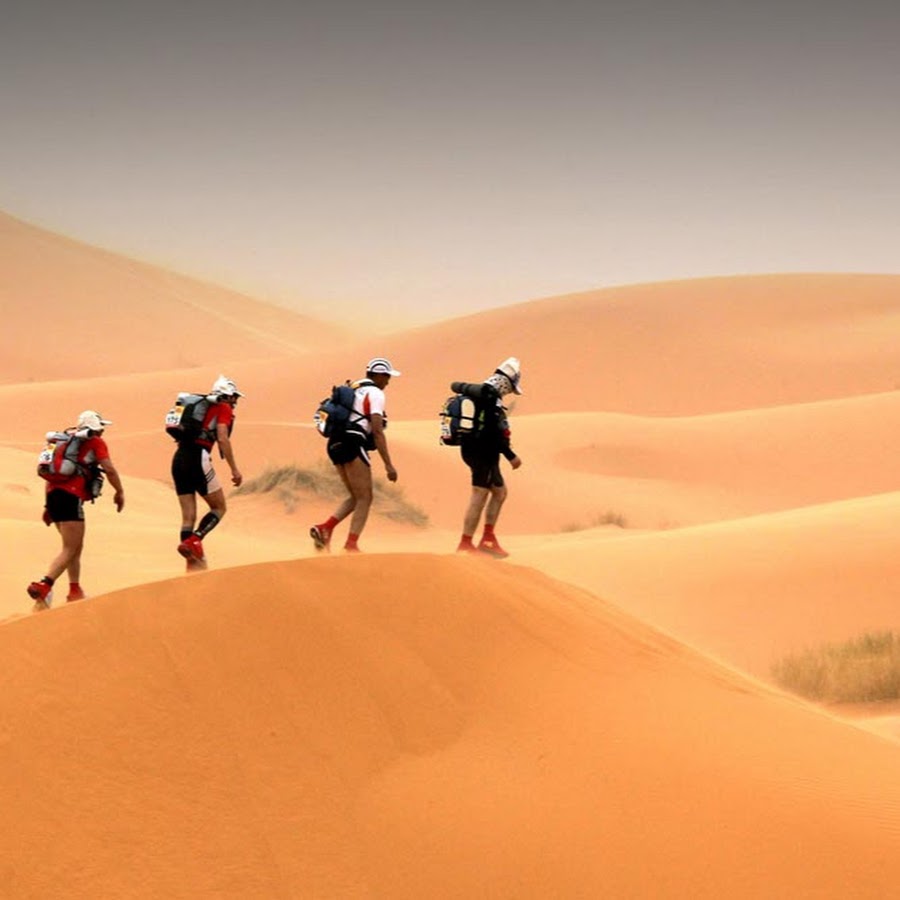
x=750, y=590
x=73, y=311
x=413, y=724
x=456, y=730
x=675, y=348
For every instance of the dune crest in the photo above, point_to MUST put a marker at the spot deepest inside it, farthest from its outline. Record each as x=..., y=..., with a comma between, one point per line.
x=317, y=729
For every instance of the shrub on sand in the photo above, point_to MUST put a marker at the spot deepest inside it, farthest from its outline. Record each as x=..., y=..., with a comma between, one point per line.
x=318, y=480
x=861, y=670
x=287, y=482
x=610, y=517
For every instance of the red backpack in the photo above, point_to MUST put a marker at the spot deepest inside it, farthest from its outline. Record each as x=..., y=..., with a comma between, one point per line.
x=63, y=459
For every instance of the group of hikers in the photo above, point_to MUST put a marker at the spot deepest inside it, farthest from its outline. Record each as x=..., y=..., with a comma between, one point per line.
x=77, y=460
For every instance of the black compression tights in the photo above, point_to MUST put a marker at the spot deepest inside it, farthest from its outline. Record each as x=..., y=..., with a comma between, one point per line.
x=207, y=523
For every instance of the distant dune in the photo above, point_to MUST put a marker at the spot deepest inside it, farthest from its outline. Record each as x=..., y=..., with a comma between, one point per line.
x=73, y=311
x=676, y=348
x=709, y=472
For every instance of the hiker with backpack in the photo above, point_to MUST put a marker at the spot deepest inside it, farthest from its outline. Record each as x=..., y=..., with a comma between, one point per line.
x=198, y=422
x=73, y=465
x=355, y=426
x=474, y=419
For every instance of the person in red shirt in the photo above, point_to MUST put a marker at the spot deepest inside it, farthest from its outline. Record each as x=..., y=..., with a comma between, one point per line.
x=193, y=472
x=64, y=507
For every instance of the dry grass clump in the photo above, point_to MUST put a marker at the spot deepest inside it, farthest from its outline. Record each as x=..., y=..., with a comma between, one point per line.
x=291, y=478
x=861, y=670
x=286, y=482
x=610, y=517
x=289, y=483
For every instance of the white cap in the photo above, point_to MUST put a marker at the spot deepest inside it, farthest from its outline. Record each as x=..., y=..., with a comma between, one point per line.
x=513, y=371
x=225, y=386
x=92, y=420
x=380, y=366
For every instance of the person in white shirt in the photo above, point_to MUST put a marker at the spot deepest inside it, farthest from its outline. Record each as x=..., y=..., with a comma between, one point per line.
x=349, y=452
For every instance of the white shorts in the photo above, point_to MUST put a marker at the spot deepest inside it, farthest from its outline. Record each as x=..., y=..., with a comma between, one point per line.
x=212, y=480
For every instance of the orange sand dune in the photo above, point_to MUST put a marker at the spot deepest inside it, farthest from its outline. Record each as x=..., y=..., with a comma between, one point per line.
x=655, y=472
x=73, y=311
x=751, y=590
x=410, y=725
x=673, y=348
x=457, y=729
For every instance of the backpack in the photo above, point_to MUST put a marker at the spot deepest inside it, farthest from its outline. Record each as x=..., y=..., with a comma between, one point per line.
x=459, y=418
x=335, y=411
x=184, y=421
x=60, y=460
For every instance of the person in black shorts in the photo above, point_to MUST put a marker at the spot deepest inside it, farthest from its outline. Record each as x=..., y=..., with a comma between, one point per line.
x=349, y=449
x=481, y=451
x=193, y=472
x=64, y=507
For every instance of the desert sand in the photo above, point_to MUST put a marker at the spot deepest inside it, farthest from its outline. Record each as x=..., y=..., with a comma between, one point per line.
x=708, y=483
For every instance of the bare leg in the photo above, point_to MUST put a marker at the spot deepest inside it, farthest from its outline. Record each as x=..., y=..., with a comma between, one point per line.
x=216, y=502
x=74, y=570
x=188, y=503
x=72, y=534
x=495, y=504
x=359, y=479
x=473, y=512
x=349, y=503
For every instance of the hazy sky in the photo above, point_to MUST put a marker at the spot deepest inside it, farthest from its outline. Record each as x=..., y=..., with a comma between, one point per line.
x=431, y=159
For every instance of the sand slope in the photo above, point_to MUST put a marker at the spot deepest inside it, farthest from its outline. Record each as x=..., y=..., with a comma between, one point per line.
x=73, y=311
x=751, y=590
x=313, y=729
x=411, y=724
x=675, y=348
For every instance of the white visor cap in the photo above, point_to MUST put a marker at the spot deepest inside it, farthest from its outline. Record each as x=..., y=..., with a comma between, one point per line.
x=380, y=366
x=92, y=420
x=513, y=371
x=225, y=386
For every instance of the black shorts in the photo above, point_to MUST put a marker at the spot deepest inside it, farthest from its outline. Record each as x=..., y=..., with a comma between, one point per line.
x=192, y=471
x=64, y=507
x=348, y=446
x=485, y=466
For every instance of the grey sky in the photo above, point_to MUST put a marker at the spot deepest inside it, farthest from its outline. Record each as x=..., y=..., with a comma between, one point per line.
x=434, y=159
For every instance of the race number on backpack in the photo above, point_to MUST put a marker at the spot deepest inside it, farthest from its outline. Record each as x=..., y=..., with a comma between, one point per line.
x=62, y=459
x=458, y=419
x=184, y=421
x=335, y=411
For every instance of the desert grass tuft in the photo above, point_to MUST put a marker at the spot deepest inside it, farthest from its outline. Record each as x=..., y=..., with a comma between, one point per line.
x=862, y=670
x=318, y=480
x=610, y=517
x=288, y=483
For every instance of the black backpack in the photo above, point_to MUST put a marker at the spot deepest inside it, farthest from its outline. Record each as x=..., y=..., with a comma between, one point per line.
x=459, y=419
x=335, y=412
x=184, y=421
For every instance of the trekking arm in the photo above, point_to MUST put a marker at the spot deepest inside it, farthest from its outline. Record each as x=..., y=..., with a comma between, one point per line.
x=225, y=448
x=112, y=473
x=381, y=446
